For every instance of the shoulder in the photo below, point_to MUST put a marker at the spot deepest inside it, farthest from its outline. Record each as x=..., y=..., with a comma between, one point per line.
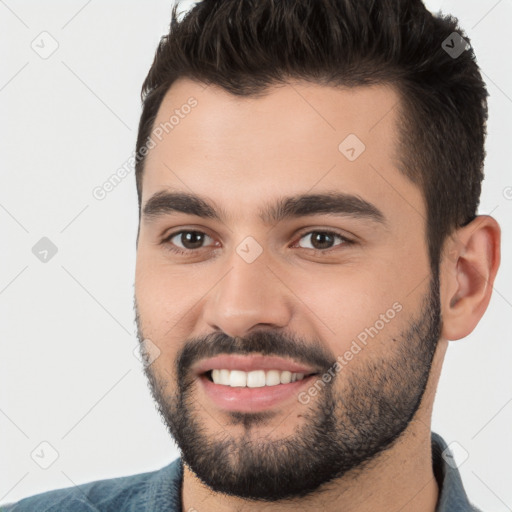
x=127, y=493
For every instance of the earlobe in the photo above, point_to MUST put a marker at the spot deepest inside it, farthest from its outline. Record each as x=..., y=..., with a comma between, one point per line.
x=468, y=268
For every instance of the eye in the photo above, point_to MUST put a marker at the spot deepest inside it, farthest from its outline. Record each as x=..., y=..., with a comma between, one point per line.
x=322, y=240
x=190, y=240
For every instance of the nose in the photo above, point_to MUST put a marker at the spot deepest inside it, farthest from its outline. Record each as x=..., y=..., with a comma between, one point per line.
x=249, y=296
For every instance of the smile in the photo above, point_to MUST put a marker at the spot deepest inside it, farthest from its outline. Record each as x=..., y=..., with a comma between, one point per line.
x=253, y=379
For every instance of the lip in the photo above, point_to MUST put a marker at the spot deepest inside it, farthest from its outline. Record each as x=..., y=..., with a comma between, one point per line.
x=251, y=399
x=250, y=363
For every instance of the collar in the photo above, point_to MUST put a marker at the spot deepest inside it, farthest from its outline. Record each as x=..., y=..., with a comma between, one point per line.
x=452, y=496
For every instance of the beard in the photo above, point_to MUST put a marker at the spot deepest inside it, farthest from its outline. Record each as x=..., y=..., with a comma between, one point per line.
x=341, y=430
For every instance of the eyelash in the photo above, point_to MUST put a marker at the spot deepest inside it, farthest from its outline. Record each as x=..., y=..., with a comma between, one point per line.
x=173, y=248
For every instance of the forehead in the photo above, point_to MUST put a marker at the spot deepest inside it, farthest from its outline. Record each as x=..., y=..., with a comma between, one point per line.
x=297, y=137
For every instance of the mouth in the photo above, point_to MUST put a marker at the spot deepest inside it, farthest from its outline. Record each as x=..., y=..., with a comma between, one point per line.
x=250, y=383
x=246, y=394
x=253, y=379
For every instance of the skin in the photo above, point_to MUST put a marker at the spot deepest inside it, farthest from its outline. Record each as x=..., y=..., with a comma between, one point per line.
x=241, y=153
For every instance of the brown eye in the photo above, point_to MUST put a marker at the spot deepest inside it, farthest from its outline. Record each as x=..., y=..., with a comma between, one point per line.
x=183, y=241
x=323, y=240
x=191, y=239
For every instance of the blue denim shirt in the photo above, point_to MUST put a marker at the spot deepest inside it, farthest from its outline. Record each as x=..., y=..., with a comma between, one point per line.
x=160, y=490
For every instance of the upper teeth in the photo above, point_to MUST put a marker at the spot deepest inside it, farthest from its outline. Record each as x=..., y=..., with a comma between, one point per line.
x=254, y=379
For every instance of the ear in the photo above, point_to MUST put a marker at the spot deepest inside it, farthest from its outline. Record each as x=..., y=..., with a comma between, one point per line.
x=468, y=267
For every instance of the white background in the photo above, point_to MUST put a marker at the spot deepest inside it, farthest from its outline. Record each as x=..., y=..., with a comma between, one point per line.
x=67, y=370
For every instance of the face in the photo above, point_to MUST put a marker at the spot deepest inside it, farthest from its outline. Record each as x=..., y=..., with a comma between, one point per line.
x=277, y=236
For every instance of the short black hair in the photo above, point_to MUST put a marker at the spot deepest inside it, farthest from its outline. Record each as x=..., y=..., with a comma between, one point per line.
x=247, y=46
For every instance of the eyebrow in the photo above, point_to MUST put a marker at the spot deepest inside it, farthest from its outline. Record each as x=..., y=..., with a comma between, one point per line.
x=165, y=203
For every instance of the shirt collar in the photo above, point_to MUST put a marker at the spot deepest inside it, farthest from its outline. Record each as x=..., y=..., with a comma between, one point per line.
x=452, y=496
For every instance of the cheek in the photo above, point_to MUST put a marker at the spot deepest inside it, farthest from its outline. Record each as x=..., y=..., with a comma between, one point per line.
x=160, y=289
x=351, y=306
x=167, y=305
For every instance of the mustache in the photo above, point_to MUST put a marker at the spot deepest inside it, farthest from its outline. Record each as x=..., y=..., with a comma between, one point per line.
x=263, y=342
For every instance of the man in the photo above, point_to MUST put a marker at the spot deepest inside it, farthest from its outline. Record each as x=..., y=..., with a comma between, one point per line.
x=308, y=176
